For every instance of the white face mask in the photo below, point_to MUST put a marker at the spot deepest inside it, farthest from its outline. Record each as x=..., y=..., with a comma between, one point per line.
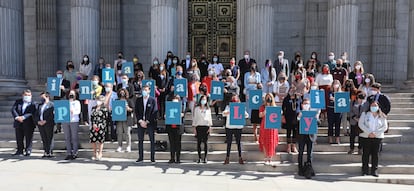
x=95, y=82
x=85, y=59
x=314, y=87
x=98, y=102
x=175, y=100
x=373, y=92
x=161, y=68
x=203, y=102
x=336, y=86
x=194, y=63
x=314, y=56
x=331, y=57
x=306, y=107
x=246, y=56
x=367, y=80
x=357, y=67
x=107, y=89
x=343, y=58
x=27, y=99
x=280, y=57
x=300, y=65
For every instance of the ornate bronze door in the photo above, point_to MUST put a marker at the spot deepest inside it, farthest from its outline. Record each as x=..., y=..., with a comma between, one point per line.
x=212, y=28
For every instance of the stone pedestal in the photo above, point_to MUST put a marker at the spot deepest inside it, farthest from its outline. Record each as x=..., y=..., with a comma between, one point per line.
x=342, y=28
x=85, y=30
x=163, y=28
x=259, y=30
x=11, y=46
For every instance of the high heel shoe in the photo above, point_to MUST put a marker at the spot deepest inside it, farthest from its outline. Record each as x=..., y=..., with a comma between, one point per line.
x=226, y=161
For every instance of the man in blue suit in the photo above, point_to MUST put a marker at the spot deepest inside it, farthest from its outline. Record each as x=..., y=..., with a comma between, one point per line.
x=146, y=110
x=23, y=112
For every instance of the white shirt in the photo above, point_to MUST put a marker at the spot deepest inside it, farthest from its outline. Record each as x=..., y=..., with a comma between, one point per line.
x=372, y=122
x=76, y=107
x=228, y=126
x=324, y=79
x=218, y=68
x=25, y=104
x=42, y=110
x=145, y=100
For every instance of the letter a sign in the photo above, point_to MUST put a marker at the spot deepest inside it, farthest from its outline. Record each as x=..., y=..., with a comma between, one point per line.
x=119, y=110
x=308, y=123
x=128, y=69
x=273, y=117
x=62, y=111
x=342, y=102
x=217, y=88
x=173, y=113
x=237, y=111
x=180, y=87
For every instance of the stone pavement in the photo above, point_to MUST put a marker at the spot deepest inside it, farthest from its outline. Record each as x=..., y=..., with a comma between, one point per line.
x=34, y=173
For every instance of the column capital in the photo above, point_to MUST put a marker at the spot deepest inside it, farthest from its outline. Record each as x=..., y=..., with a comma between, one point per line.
x=252, y=3
x=165, y=3
x=93, y=4
x=336, y=3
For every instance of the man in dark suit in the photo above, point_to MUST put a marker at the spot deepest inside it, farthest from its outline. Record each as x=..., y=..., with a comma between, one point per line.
x=376, y=95
x=146, y=110
x=45, y=121
x=281, y=65
x=186, y=63
x=245, y=65
x=23, y=112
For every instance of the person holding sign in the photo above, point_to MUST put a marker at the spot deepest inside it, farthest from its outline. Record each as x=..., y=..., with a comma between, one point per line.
x=99, y=120
x=71, y=129
x=193, y=90
x=373, y=124
x=306, y=139
x=291, y=108
x=23, y=112
x=161, y=82
x=324, y=80
x=146, y=111
x=125, y=84
x=202, y=122
x=175, y=132
x=118, y=66
x=235, y=130
x=123, y=128
x=269, y=138
x=334, y=119
x=45, y=122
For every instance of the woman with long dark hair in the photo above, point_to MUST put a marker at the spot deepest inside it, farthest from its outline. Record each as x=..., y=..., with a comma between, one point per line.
x=202, y=122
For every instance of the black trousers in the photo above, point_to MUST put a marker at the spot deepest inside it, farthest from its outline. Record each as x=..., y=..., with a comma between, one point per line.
x=141, y=132
x=229, y=138
x=334, y=119
x=291, y=132
x=370, y=148
x=202, y=137
x=21, y=134
x=305, y=140
x=46, y=133
x=354, y=133
x=174, y=137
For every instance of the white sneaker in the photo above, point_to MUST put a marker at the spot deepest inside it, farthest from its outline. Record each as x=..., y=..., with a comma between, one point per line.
x=128, y=149
x=119, y=149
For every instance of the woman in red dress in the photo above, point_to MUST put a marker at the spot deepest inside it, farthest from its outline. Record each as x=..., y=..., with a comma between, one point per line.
x=269, y=138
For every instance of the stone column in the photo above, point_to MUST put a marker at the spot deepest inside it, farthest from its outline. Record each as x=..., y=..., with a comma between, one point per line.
x=401, y=45
x=85, y=30
x=259, y=30
x=241, y=20
x=11, y=45
x=182, y=28
x=110, y=29
x=383, y=40
x=342, y=28
x=410, y=68
x=46, y=36
x=163, y=27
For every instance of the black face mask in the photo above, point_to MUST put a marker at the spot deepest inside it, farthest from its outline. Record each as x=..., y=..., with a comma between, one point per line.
x=360, y=96
x=253, y=69
x=71, y=96
x=122, y=94
x=269, y=100
x=338, y=65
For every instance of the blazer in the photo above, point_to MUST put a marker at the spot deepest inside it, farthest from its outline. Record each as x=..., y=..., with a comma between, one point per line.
x=28, y=114
x=383, y=102
x=282, y=67
x=130, y=89
x=150, y=112
x=48, y=114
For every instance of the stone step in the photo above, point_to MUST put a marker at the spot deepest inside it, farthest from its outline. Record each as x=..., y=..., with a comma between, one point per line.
x=401, y=111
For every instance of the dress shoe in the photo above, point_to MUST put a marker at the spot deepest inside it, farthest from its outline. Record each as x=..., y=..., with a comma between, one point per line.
x=153, y=162
x=18, y=154
x=205, y=160
x=351, y=151
x=241, y=161
x=374, y=173
x=199, y=160
x=69, y=157
x=171, y=161
x=74, y=157
x=359, y=151
x=177, y=162
x=27, y=154
x=139, y=161
x=226, y=161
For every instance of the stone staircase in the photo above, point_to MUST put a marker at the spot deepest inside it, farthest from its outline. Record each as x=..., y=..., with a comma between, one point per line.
x=397, y=156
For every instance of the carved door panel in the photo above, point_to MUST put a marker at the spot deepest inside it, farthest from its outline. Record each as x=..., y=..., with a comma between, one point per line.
x=212, y=28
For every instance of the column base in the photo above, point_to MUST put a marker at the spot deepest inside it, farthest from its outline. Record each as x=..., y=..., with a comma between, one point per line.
x=12, y=86
x=408, y=86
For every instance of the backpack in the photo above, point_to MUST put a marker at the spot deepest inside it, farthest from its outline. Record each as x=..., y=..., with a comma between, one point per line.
x=308, y=171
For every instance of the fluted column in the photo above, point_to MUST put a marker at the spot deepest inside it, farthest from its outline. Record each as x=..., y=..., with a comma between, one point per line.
x=110, y=29
x=46, y=39
x=241, y=23
x=163, y=27
x=85, y=30
x=11, y=45
x=343, y=27
x=259, y=30
x=410, y=68
x=383, y=40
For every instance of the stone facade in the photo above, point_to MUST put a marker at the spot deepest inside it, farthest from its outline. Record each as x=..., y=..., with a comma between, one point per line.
x=50, y=32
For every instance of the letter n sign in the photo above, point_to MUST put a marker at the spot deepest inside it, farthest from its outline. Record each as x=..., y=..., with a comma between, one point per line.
x=53, y=86
x=62, y=111
x=308, y=123
x=173, y=113
x=273, y=117
x=180, y=87
x=128, y=69
x=237, y=113
x=342, y=102
x=217, y=88
x=85, y=88
x=119, y=110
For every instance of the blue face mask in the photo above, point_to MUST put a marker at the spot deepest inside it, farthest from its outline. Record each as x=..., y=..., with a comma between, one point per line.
x=215, y=59
x=179, y=73
x=374, y=109
x=144, y=93
x=59, y=75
